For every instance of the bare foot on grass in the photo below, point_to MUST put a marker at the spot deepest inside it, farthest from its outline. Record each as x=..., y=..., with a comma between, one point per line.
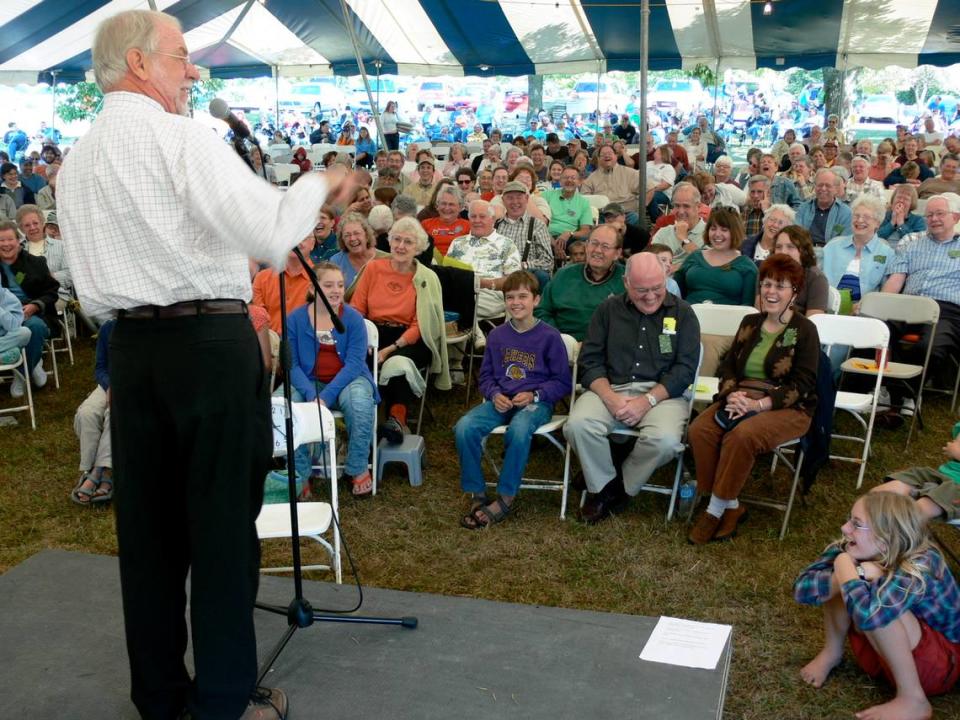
x=900, y=708
x=817, y=670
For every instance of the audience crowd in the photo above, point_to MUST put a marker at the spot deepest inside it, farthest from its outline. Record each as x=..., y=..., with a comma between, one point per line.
x=537, y=250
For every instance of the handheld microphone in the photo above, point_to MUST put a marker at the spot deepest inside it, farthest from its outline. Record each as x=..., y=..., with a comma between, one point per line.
x=220, y=110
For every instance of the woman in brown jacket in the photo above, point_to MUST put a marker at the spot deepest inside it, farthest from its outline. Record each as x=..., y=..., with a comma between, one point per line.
x=767, y=397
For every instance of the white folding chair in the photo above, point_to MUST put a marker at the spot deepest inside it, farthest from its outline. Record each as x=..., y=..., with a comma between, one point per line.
x=548, y=430
x=284, y=171
x=67, y=321
x=324, y=148
x=20, y=367
x=50, y=349
x=314, y=519
x=373, y=340
x=912, y=310
x=833, y=300
x=780, y=454
x=717, y=320
x=597, y=203
x=280, y=152
x=856, y=332
x=678, y=450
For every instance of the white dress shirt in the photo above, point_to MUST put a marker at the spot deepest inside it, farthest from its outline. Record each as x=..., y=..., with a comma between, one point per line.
x=159, y=210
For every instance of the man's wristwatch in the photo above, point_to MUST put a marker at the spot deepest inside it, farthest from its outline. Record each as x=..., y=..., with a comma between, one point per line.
x=651, y=398
x=861, y=573
x=536, y=396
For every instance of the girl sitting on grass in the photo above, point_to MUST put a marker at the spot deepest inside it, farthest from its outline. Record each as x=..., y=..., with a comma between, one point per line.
x=887, y=588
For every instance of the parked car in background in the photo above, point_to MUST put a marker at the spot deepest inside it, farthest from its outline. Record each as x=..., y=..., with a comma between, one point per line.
x=684, y=93
x=384, y=90
x=433, y=93
x=879, y=109
x=469, y=97
x=583, y=99
x=316, y=96
x=516, y=100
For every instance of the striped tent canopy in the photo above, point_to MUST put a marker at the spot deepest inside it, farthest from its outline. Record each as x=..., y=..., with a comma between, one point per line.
x=251, y=38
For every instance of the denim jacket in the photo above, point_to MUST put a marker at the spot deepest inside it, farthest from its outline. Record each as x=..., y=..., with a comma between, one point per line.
x=875, y=261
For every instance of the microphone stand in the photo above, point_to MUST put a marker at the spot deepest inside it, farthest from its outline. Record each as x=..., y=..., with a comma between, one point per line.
x=299, y=612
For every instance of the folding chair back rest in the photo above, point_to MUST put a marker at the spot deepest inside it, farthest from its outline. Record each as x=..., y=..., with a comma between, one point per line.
x=858, y=332
x=721, y=319
x=834, y=300
x=914, y=309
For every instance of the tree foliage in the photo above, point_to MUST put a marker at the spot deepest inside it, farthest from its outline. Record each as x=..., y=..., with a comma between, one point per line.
x=79, y=101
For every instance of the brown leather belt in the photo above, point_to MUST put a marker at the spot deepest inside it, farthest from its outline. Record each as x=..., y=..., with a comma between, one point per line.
x=189, y=308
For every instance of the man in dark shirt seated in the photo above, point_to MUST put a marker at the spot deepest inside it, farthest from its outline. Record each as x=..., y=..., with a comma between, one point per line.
x=639, y=357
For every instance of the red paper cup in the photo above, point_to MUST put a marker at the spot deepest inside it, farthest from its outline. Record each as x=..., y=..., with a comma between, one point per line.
x=877, y=358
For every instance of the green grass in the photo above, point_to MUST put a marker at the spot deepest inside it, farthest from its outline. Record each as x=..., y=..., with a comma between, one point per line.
x=409, y=539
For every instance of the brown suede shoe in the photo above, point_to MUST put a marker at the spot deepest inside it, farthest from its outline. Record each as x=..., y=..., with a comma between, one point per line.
x=729, y=522
x=703, y=529
x=266, y=704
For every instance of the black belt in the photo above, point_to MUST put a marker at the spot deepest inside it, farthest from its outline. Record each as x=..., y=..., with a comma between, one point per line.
x=189, y=308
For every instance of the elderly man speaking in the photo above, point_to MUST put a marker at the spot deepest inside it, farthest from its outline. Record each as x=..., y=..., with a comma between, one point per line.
x=190, y=408
x=639, y=358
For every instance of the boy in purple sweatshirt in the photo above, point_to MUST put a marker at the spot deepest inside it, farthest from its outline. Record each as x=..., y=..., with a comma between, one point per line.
x=524, y=372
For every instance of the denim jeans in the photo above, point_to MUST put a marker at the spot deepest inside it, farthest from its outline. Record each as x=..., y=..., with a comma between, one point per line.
x=477, y=424
x=357, y=405
x=39, y=332
x=15, y=339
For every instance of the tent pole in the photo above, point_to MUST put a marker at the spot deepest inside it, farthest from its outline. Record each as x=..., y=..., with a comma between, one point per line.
x=53, y=108
x=716, y=90
x=644, y=60
x=599, y=124
x=276, y=97
x=374, y=109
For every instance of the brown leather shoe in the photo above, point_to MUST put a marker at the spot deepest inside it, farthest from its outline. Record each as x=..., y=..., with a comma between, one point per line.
x=266, y=704
x=703, y=529
x=729, y=522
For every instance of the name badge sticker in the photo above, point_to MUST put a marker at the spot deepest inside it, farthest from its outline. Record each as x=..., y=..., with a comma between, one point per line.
x=953, y=254
x=879, y=259
x=666, y=345
x=669, y=326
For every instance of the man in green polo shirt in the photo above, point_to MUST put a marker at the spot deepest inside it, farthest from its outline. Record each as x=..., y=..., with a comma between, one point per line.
x=572, y=217
x=577, y=289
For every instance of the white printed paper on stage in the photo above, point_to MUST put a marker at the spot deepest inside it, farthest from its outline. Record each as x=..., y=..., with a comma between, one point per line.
x=687, y=643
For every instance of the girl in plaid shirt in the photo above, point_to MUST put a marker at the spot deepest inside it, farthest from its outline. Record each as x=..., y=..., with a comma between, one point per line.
x=886, y=587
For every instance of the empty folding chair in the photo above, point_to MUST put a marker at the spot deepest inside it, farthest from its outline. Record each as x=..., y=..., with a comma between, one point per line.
x=856, y=332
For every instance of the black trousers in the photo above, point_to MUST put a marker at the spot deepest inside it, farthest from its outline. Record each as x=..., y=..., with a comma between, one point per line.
x=392, y=140
x=191, y=431
x=397, y=390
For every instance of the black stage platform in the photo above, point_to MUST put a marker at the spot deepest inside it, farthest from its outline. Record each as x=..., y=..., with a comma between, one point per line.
x=62, y=655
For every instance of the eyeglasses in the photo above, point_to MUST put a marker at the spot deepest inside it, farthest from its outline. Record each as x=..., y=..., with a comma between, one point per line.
x=936, y=214
x=468, y=181
x=649, y=291
x=857, y=525
x=184, y=58
x=771, y=285
x=603, y=246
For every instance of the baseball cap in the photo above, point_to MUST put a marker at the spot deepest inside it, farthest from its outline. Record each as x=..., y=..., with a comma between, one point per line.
x=428, y=161
x=612, y=209
x=515, y=186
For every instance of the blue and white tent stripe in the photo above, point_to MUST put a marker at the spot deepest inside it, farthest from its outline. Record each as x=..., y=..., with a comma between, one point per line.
x=234, y=38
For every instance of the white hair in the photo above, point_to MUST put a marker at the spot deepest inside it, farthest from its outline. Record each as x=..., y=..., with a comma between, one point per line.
x=794, y=146
x=484, y=207
x=874, y=204
x=411, y=226
x=120, y=33
x=953, y=201
x=380, y=218
x=725, y=159
x=788, y=212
